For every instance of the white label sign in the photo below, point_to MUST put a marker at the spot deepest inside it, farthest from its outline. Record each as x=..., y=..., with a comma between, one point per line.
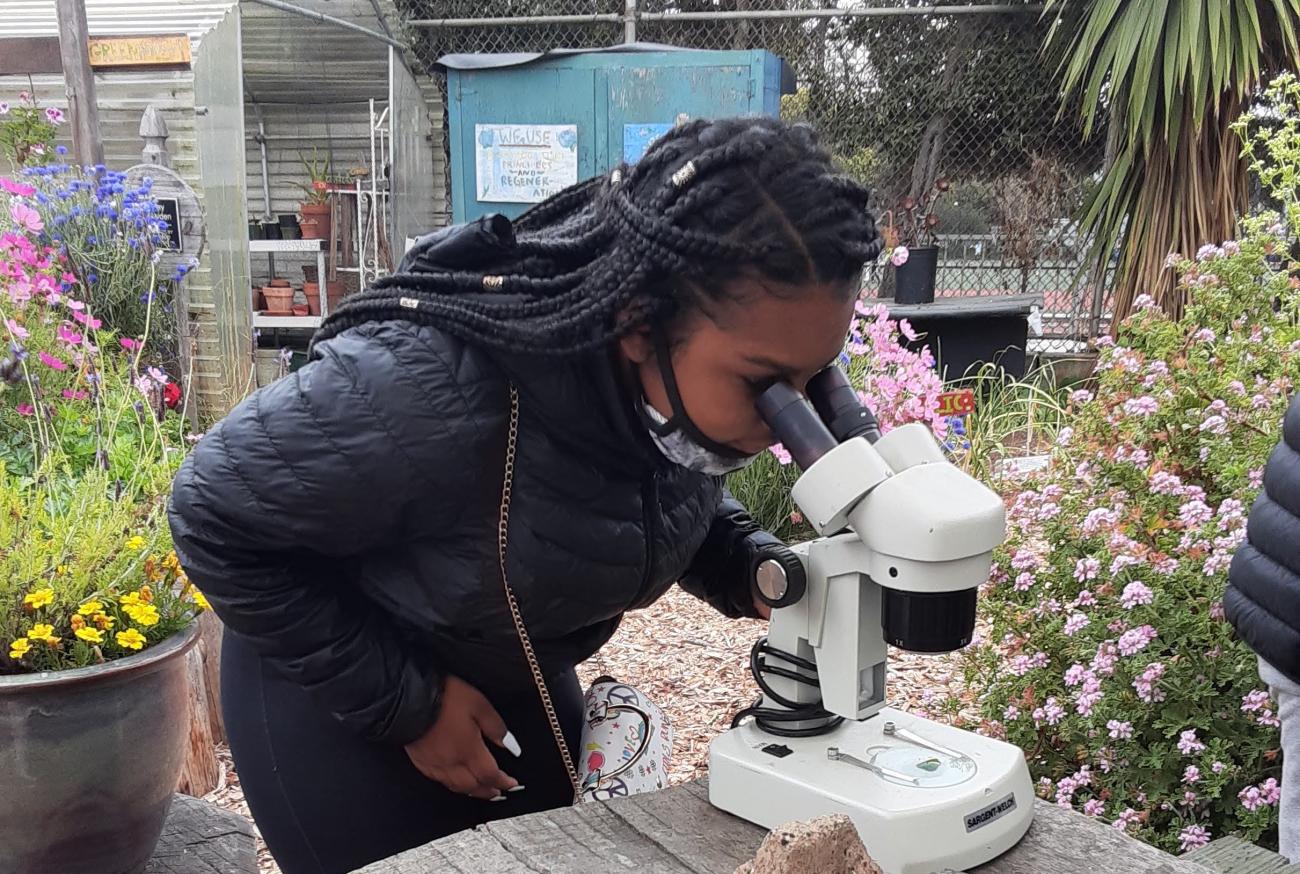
x=524, y=163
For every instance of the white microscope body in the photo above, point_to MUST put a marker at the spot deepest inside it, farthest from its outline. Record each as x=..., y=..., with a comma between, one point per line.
x=924, y=796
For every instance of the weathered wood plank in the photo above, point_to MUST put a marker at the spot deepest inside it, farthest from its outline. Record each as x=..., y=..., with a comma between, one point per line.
x=201, y=838
x=677, y=831
x=1232, y=855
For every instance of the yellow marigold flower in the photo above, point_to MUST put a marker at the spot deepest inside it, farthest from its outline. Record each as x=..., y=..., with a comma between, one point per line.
x=19, y=648
x=136, y=543
x=61, y=570
x=103, y=621
x=77, y=623
x=90, y=635
x=143, y=614
x=130, y=600
x=130, y=639
x=39, y=598
x=201, y=601
x=90, y=608
x=42, y=633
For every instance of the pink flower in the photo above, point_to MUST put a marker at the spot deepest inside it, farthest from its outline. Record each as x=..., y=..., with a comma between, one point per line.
x=1195, y=513
x=1189, y=798
x=1216, y=425
x=1145, y=685
x=1254, y=701
x=1080, y=396
x=1141, y=406
x=1191, y=774
x=1218, y=767
x=1086, y=569
x=1136, y=594
x=50, y=361
x=85, y=319
x=1011, y=713
x=1093, y=807
x=1024, y=560
x=25, y=409
x=54, y=115
x=1205, y=335
x=19, y=332
x=1024, y=581
x=75, y=395
x=1075, y=624
x=782, y=454
x=1165, y=483
x=1120, y=730
x=899, y=256
x=1103, y=662
x=1135, y=640
x=1051, y=712
x=1127, y=818
x=69, y=336
x=157, y=375
x=1188, y=744
x=26, y=218
x=1256, y=477
x=17, y=189
x=1192, y=837
x=1075, y=675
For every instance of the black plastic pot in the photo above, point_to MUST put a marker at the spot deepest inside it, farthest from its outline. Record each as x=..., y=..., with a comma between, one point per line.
x=272, y=230
x=914, y=281
x=255, y=231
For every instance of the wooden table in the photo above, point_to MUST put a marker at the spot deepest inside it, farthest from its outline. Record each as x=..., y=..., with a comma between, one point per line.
x=201, y=838
x=677, y=831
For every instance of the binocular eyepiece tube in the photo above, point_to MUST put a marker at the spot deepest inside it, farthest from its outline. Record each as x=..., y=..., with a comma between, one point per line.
x=811, y=426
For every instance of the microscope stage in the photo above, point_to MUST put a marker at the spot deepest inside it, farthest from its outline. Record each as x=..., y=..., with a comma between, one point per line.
x=918, y=807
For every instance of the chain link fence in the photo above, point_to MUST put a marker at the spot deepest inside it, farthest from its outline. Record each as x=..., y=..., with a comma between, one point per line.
x=907, y=98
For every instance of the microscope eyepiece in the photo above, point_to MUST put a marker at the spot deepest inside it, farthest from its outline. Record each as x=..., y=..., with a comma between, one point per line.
x=839, y=406
x=795, y=424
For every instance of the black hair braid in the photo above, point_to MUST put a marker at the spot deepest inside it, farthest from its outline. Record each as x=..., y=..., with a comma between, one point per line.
x=709, y=203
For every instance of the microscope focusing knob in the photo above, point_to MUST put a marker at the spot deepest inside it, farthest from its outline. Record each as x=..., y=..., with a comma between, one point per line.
x=779, y=577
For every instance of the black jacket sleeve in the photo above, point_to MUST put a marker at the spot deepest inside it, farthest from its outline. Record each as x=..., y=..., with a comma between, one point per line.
x=723, y=569
x=1263, y=596
x=325, y=464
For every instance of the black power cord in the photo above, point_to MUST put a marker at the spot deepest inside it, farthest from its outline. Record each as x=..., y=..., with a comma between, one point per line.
x=772, y=719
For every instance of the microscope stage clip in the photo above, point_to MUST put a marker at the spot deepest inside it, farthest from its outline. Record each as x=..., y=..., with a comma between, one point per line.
x=834, y=754
x=892, y=730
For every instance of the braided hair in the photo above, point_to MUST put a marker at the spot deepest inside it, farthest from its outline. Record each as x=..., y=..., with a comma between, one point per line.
x=711, y=202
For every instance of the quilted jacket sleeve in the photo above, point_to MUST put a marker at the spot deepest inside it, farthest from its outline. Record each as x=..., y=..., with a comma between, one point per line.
x=722, y=571
x=320, y=466
x=1263, y=596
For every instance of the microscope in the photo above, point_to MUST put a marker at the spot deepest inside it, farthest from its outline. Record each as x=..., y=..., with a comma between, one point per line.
x=905, y=540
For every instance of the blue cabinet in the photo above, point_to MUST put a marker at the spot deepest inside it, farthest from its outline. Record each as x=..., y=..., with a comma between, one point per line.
x=519, y=133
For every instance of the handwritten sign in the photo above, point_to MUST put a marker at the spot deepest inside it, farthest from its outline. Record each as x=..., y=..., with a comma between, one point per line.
x=139, y=51
x=957, y=403
x=524, y=163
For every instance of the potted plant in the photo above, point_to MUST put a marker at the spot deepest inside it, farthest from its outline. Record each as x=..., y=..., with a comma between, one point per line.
x=315, y=207
x=909, y=236
x=96, y=614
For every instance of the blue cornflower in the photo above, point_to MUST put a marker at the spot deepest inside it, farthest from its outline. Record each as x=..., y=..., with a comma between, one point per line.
x=61, y=150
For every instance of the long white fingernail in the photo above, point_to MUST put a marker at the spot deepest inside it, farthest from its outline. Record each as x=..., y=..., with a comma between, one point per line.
x=519, y=788
x=511, y=744
x=498, y=798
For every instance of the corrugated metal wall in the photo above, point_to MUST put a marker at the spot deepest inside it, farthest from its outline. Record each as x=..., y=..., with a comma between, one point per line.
x=192, y=17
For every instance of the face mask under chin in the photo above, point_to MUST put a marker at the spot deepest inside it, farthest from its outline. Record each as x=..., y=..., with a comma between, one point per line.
x=678, y=447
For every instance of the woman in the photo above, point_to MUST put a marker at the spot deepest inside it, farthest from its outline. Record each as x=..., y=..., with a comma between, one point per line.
x=343, y=522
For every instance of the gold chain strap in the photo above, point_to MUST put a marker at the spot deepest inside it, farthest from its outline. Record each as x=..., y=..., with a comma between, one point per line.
x=503, y=527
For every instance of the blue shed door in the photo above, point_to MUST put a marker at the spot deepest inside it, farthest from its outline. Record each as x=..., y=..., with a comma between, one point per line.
x=644, y=102
x=559, y=98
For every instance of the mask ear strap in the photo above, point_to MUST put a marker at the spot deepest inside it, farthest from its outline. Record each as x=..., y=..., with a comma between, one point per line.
x=679, y=419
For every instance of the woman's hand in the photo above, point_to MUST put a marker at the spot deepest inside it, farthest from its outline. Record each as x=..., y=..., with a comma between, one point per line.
x=453, y=751
x=762, y=608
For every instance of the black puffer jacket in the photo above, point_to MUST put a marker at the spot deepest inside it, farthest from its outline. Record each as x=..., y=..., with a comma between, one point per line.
x=1263, y=597
x=343, y=520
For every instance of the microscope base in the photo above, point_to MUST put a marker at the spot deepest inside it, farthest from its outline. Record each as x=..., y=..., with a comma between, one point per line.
x=917, y=810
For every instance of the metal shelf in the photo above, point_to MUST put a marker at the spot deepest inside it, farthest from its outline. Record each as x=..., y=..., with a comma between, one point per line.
x=262, y=320
x=285, y=245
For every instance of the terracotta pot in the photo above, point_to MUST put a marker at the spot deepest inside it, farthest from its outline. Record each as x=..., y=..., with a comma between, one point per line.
x=300, y=309
x=125, y=723
x=334, y=292
x=311, y=290
x=279, y=300
x=259, y=302
x=279, y=283
x=315, y=221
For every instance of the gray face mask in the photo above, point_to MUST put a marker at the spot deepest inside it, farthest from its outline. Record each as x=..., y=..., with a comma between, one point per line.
x=677, y=446
x=678, y=439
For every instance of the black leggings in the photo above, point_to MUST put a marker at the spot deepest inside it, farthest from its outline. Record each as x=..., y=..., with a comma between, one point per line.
x=327, y=801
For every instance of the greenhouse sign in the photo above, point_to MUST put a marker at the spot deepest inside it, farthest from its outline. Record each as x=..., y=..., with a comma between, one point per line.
x=524, y=163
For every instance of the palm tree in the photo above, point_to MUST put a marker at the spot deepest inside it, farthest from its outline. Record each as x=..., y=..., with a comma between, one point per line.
x=1170, y=76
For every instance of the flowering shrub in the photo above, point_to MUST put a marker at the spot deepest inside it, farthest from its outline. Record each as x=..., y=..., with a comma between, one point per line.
x=27, y=130
x=88, y=445
x=108, y=231
x=1109, y=659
